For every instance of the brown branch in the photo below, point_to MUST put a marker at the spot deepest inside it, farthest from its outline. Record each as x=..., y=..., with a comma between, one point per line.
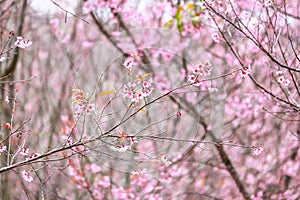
x=107, y=35
x=15, y=59
x=256, y=42
x=66, y=11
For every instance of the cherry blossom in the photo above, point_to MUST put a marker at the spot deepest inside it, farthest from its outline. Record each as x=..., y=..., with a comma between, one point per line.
x=21, y=43
x=33, y=155
x=95, y=168
x=24, y=151
x=105, y=182
x=138, y=89
x=258, y=150
x=202, y=70
x=81, y=104
x=216, y=37
x=246, y=71
x=26, y=176
x=2, y=148
x=129, y=63
x=280, y=78
x=164, y=62
x=268, y=3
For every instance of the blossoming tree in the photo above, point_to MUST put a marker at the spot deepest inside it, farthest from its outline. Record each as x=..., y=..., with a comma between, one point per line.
x=128, y=99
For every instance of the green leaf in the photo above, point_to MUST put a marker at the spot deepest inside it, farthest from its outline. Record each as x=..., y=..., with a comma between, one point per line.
x=179, y=20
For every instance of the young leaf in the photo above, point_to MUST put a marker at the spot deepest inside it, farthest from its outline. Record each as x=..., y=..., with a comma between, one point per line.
x=107, y=92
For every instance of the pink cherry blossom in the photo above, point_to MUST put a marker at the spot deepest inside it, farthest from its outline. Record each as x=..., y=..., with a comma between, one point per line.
x=246, y=71
x=129, y=63
x=268, y=3
x=24, y=151
x=21, y=43
x=216, y=37
x=26, y=176
x=2, y=148
x=258, y=150
x=95, y=168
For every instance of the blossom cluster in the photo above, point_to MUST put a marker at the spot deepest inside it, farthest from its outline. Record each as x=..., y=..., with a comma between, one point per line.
x=137, y=90
x=268, y=3
x=24, y=151
x=26, y=176
x=81, y=104
x=124, y=142
x=96, y=183
x=202, y=70
x=280, y=78
x=140, y=86
x=246, y=71
x=21, y=43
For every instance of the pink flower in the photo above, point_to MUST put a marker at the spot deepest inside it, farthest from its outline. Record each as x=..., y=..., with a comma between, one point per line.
x=146, y=84
x=125, y=89
x=54, y=22
x=131, y=84
x=2, y=148
x=129, y=63
x=279, y=73
x=287, y=82
x=246, y=71
x=33, y=155
x=2, y=59
x=258, y=196
x=105, y=182
x=268, y=3
x=26, y=176
x=69, y=141
x=147, y=92
x=90, y=108
x=192, y=78
x=95, y=168
x=130, y=95
x=21, y=43
x=215, y=37
x=202, y=69
x=280, y=78
x=163, y=158
x=81, y=104
x=24, y=151
x=167, y=56
x=258, y=150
